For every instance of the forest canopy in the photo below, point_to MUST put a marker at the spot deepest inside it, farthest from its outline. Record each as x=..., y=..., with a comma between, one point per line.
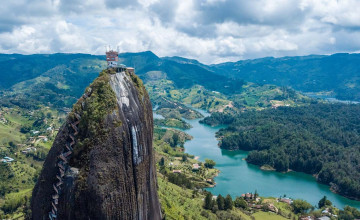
x=319, y=139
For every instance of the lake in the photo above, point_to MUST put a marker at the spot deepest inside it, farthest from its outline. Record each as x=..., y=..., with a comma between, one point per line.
x=238, y=177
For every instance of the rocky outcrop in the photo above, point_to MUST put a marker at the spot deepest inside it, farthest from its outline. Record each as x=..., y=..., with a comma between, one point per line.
x=101, y=165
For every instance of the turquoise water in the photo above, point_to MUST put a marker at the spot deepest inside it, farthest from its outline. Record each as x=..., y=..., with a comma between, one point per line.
x=237, y=176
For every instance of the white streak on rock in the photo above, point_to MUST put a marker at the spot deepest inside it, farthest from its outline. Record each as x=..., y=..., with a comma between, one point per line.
x=136, y=156
x=120, y=87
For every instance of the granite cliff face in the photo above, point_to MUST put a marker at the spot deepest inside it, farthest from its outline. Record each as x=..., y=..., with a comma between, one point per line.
x=101, y=165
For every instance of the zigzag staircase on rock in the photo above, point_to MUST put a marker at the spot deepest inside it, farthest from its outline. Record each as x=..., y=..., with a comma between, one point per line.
x=62, y=163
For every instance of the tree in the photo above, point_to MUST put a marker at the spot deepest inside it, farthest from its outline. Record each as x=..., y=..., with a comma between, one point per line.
x=194, y=193
x=162, y=161
x=184, y=158
x=27, y=208
x=324, y=202
x=228, y=202
x=209, y=163
x=175, y=139
x=25, y=129
x=208, y=201
x=256, y=194
x=220, y=202
x=215, y=208
x=300, y=206
x=349, y=213
x=240, y=202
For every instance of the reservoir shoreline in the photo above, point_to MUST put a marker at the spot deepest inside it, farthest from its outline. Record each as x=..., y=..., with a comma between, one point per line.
x=237, y=176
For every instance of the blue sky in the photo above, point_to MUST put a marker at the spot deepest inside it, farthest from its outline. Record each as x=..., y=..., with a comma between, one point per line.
x=211, y=31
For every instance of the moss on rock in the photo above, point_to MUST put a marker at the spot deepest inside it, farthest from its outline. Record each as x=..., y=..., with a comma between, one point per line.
x=100, y=102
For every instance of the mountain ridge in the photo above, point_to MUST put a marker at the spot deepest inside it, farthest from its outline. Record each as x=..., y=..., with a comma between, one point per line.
x=336, y=75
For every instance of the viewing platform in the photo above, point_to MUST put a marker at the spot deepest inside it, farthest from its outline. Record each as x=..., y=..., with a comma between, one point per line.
x=112, y=59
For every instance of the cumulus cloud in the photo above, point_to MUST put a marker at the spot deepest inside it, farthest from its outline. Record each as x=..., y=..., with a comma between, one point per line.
x=209, y=30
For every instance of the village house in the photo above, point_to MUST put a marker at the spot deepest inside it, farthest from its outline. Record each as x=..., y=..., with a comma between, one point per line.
x=7, y=160
x=323, y=218
x=325, y=211
x=176, y=171
x=3, y=120
x=286, y=200
x=210, y=181
x=66, y=110
x=258, y=206
x=180, y=149
x=195, y=167
x=248, y=196
x=273, y=208
x=130, y=70
x=32, y=140
x=44, y=138
x=28, y=150
x=307, y=218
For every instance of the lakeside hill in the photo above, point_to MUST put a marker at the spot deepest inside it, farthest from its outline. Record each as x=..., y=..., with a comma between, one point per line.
x=319, y=139
x=337, y=74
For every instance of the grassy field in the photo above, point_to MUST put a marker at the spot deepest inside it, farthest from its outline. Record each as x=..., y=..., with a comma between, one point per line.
x=9, y=133
x=267, y=216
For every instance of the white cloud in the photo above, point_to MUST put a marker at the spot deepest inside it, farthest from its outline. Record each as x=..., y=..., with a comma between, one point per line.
x=208, y=30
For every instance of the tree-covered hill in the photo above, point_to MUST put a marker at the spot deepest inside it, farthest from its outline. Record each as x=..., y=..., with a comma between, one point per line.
x=28, y=80
x=16, y=68
x=183, y=74
x=320, y=139
x=338, y=74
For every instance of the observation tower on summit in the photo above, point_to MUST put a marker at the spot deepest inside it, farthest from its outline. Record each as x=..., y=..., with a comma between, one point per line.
x=112, y=57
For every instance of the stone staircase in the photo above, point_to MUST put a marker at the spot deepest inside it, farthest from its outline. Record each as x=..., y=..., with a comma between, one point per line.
x=62, y=162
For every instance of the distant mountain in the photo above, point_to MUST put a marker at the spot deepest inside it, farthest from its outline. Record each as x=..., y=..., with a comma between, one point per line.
x=183, y=72
x=17, y=68
x=338, y=73
x=60, y=78
x=28, y=80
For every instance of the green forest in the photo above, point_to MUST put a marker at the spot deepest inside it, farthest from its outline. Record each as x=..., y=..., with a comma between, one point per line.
x=336, y=74
x=319, y=139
